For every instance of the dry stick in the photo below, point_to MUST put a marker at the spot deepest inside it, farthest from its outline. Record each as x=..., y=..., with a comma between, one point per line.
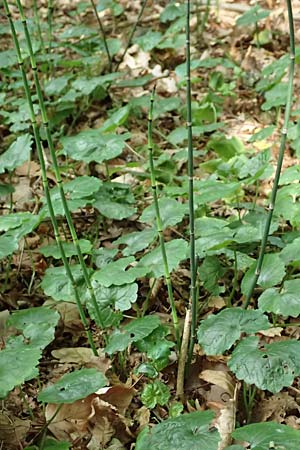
x=45, y=179
x=193, y=265
x=280, y=156
x=182, y=357
x=159, y=224
x=56, y=168
x=103, y=34
x=132, y=33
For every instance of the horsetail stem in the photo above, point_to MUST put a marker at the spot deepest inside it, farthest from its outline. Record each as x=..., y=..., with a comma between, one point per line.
x=280, y=156
x=45, y=179
x=159, y=222
x=102, y=34
x=193, y=265
x=56, y=168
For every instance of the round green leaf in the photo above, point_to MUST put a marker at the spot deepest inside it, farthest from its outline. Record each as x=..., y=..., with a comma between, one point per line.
x=134, y=331
x=171, y=212
x=93, y=145
x=272, y=273
x=73, y=386
x=156, y=393
x=16, y=154
x=57, y=285
x=115, y=201
x=69, y=248
x=272, y=368
x=285, y=302
x=219, y=332
x=186, y=432
x=136, y=241
x=17, y=365
x=268, y=435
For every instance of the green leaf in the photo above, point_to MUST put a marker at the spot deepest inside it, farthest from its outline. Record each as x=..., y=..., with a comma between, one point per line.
x=272, y=367
x=211, y=190
x=56, y=85
x=186, y=432
x=73, y=386
x=149, y=40
x=226, y=147
x=116, y=119
x=157, y=347
x=132, y=332
x=16, y=366
x=8, y=58
x=115, y=201
x=52, y=444
x=219, y=332
x=115, y=273
x=136, y=241
x=272, y=273
x=262, y=134
x=93, y=145
x=276, y=96
x=87, y=85
x=8, y=245
x=252, y=16
x=109, y=299
x=6, y=189
x=210, y=272
x=37, y=325
x=16, y=154
x=57, y=285
x=156, y=393
x=291, y=251
x=268, y=435
x=171, y=212
x=69, y=248
x=78, y=193
x=284, y=301
x=152, y=262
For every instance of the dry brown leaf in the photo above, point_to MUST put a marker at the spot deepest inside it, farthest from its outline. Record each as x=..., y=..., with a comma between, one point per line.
x=83, y=356
x=275, y=408
x=272, y=332
x=220, y=378
x=142, y=416
x=120, y=396
x=12, y=430
x=30, y=168
x=22, y=194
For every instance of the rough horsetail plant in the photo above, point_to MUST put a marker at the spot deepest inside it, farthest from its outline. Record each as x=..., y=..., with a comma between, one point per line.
x=159, y=222
x=56, y=171
x=284, y=131
x=193, y=265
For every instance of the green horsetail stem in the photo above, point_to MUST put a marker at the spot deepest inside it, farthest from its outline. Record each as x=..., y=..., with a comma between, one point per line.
x=284, y=130
x=193, y=265
x=50, y=9
x=102, y=34
x=45, y=179
x=55, y=166
x=159, y=223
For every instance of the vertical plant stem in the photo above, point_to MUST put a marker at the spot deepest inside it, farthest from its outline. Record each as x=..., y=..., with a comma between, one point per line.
x=102, y=34
x=38, y=24
x=132, y=33
x=45, y=179
x=182, y=356
x=49, y=20
x=193, y=265
x=56, y=168
x=280, y=156
x=159, y=223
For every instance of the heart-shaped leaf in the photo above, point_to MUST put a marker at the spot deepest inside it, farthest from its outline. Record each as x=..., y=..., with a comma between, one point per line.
x=16, y=154
x=272, y=367
x=285, y=302
x=268, y=435
x=186, y=432
x=219, y=332
x=73, y=386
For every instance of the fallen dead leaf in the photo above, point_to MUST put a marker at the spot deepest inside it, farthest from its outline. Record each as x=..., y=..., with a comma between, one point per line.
x=12, y=430
x=119, y=396
x=82, y=356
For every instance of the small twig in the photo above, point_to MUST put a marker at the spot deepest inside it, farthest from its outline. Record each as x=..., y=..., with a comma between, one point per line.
x=183, y=355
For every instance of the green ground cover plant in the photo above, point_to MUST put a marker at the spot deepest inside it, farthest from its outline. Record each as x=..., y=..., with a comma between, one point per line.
x=149, y=237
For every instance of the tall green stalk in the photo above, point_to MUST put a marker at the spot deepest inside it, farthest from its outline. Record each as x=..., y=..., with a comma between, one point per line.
x=45, y=179
x=50, y=9
x=56, y=168
x=193, y=265
x=280, y=156
x=132, y=33
x=38, y=24
x=102, y=34
x=159, y=223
